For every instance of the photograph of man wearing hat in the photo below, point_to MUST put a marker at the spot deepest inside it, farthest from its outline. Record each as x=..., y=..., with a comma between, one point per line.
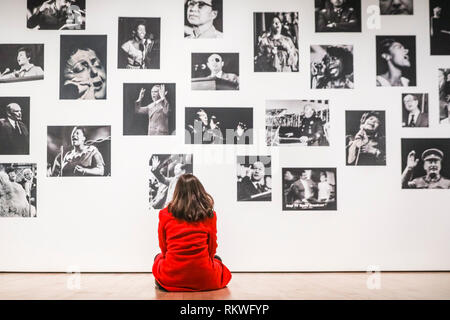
x=432, y=160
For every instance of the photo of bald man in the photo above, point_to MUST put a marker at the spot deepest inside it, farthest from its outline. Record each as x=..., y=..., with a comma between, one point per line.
x=14, y=125
x=215, y=71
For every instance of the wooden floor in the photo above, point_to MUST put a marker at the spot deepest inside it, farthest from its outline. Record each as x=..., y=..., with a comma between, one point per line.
x=243, y=286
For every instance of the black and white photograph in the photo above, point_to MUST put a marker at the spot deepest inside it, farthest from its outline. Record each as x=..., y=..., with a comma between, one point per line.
x=215, y=71
x=309, y=189
x=139, y=43
x=56, y=14
x=396, y=61
x=254, y=178
x=338, y=15
x=165, y=169
x=275, y=41
x=444, y=96
x=18, y=190
x=83, y=67
x=365, y=140
x=149, y=109
x=425, y=163
x=439, y=27
x=219, y=125
x=397, y=7
x=415, y=110
x=21, y=62
x=297, y=122
x=14, y=125
x=203, y=19
x=332, y=67
x=77, y=151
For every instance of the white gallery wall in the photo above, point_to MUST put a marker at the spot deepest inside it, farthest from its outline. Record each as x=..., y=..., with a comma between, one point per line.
x=105, y=224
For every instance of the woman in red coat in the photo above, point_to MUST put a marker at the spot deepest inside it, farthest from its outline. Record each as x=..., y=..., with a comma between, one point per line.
x=188, y=241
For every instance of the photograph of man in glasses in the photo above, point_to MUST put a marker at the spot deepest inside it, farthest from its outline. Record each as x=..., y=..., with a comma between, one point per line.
x=203, y=19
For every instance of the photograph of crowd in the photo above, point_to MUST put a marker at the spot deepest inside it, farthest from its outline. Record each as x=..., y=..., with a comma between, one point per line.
x=76, y=151
x=276, y=41
x=444, y=96
x=309, y=189
x=415, y=110
x=397, y=7
x=21, y=62
x=203, y=19
x=14, y=125
x=56, y=14
x=440, y=27
x=215, y=71
x=18, y=190
x=338, y=15
x=254, y=178
x=297, y=122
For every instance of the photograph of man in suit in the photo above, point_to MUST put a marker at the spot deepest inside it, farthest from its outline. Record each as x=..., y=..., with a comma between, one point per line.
x=14, y=137
x=252, y=184
x=304, y=189
x=414, y=114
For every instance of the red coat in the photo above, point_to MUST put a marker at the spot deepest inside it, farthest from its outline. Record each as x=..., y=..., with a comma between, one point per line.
x=187, y=261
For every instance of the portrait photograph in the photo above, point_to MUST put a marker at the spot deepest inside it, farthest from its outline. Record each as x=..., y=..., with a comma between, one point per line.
x=297, y=122
x=338, y=15
x=21, y=62
x=149, y=109
x=254, y=178
x=56, y=14
x=309, y=189
x=439, y=27
x=83, y=67
x=165, y=169
x=397, y=7
x=365, y=140
x=425, y=163
x=444, y=96
x=219, y=125
x=18, y=190
x=139, y=43
x=332, y=67
x=215, y=71
x=203, y=19
x=14, y=125
x=415, y=110
x=396, y=61
x=78, y=151
x=275, y=40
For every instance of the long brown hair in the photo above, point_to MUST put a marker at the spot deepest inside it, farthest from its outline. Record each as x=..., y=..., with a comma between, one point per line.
x=190, y=201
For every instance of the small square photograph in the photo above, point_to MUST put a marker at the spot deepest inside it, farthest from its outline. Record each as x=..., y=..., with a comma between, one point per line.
x=338, y=15
x=332, y=67
x=297, y=122
x=14, y=125
x=215, y=71
x=18, y=186
x=149, y=109
x=21, y=62
x=219, y=126
x=309, y=189
x=83, y=67
x=444, y=96
x=165, y=169
x=254, y=178
x=440, y=27
x=396, y=61
x=139, y=43
x=78, y=151
x=425, y=163
x=275, y=41
x=203, y=19
x=415, y=110
x=365, y=140
x=396, y=7
x=56, y=14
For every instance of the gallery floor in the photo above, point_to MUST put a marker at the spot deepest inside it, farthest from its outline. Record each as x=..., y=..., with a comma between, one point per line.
x=251, y=286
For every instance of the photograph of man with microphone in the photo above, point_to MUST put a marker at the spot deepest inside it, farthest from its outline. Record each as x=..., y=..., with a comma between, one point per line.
x=21, y=62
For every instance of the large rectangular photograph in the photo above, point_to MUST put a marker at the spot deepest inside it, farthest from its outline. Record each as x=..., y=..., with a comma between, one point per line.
x=425, y=163
x=439, y=27
x=297, y=122
x=309, y=189
x=219, y=126
x=254, y=178
x=365, y=140
x=18, y=190
x=275, y=41
x=21, y=62
x=165, y=169
x=139, y=43
x=149, y=109
x=14, y=125
x=203, y=19
x=82, y=67
x=444, y=96
x=215, y=71
x=338, y=15
x=78, y=151
x=56, y=14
